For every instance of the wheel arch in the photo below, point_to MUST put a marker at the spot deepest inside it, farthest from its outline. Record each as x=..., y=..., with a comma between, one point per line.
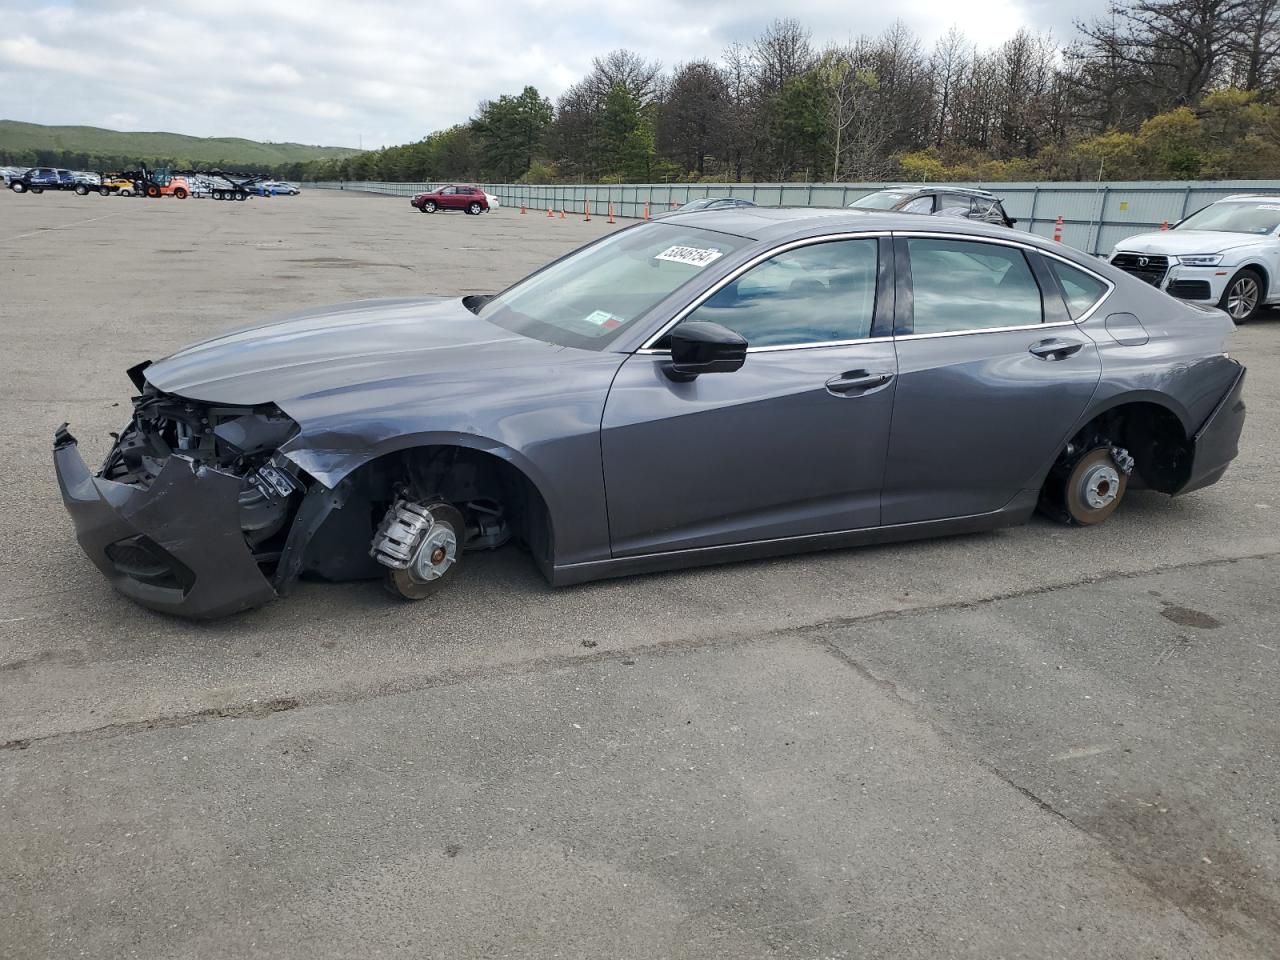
x=538, y=514
x=1254, y=263
x=1154, y=427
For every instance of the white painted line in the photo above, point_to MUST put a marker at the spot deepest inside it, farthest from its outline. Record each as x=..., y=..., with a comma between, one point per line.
x=61, y=226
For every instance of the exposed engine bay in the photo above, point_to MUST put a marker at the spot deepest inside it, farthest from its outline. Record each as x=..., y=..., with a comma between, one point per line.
x=406, y=517
x=241, y=441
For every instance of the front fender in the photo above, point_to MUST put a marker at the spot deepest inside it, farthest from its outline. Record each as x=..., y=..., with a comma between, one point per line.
x=566, y=473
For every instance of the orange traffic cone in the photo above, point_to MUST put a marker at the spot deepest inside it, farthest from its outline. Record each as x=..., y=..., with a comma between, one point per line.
x=522, y=208
x=587, y=204
x=1165, y=225
x=611, y=220
x=1057, y=230
x=548, y=211
x=646, y=211
x=562, y=213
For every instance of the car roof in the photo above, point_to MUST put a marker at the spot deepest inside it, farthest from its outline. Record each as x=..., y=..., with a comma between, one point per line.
x=780, y=224
x=936, y=188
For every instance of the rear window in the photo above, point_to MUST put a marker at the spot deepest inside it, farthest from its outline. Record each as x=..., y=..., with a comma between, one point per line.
x=880, y=200
x=966, y=285
x=1081, y=289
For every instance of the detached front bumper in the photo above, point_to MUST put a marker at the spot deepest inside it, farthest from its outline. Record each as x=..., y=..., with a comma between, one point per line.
x=175, y=546
x=1218, y=441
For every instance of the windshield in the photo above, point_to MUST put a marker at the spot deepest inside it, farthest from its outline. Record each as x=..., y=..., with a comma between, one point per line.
x=591, y=296
x=1256, y=218
x=697, y=204
x=880, y=200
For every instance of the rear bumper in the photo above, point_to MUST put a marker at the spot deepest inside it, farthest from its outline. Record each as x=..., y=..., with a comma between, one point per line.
x=1218, y=441
x=175, y=546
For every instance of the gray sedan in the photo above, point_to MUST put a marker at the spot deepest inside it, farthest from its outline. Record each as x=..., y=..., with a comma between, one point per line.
x=725, y=385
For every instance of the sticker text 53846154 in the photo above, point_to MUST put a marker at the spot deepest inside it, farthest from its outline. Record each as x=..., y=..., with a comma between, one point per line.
x=693, y=256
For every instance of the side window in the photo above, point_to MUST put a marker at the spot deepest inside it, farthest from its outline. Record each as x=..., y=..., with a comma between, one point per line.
x=919, y=205
x=968, y=285
x=1082, y=289
x=955, y=205
x=813, y=294
x=448, y=192
x=989, y=211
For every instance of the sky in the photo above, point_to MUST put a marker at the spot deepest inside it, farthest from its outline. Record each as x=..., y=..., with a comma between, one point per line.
x=383, y=72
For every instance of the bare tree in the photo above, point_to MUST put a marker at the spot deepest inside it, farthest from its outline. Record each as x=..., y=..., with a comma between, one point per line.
x=947, y=66
x=692, y=120
x=782, y=53
x=1176, y=49
x=1255, y=44
x=641, y=78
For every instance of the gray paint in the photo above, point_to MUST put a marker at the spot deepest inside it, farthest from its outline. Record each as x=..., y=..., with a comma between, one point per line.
x=639, y=472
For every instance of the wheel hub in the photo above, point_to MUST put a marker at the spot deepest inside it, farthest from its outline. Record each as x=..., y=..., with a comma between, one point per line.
x=419, y=543
x=1101, y=485
x=436, y=555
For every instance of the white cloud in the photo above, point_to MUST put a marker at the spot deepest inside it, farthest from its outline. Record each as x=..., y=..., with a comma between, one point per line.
x=386, y=71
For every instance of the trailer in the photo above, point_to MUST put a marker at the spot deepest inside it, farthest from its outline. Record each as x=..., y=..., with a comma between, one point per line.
x=230, y=186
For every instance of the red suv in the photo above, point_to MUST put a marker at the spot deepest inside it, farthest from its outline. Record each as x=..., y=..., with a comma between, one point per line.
x=456, y=196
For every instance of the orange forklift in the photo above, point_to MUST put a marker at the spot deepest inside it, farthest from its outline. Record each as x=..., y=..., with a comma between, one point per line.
x=161, y=182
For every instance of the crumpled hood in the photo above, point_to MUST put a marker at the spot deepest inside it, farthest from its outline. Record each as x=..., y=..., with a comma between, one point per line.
x=1184, y=242
x=366, y=342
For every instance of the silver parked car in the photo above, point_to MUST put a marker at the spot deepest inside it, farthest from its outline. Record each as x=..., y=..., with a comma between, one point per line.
x=724, y=385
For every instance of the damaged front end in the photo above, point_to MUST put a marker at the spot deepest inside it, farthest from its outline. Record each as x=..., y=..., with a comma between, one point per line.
x=192, y=508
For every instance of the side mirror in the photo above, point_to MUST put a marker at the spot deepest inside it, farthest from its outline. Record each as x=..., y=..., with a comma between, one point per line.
x=700, y=346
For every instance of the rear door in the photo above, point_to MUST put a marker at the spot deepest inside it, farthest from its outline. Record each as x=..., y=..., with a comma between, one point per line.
x=992, y=377
x=791, y=444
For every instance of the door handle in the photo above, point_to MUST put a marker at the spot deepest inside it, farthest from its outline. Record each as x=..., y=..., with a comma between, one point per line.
x=1055, y=348
x=857, y=382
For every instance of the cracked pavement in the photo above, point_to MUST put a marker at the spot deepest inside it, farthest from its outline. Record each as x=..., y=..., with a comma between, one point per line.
x=1037, y=742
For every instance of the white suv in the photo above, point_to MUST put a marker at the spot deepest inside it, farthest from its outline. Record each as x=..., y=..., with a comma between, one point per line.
x=1227, y=253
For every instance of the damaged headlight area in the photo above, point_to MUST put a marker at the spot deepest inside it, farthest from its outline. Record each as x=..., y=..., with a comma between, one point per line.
x=192, y=509
x=241, y=441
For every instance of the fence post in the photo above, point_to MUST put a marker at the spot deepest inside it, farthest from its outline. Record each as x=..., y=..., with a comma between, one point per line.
x=1035, y=199
x=1102, y=210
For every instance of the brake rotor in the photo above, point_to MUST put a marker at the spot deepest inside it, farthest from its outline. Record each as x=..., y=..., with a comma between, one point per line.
x=434, y=558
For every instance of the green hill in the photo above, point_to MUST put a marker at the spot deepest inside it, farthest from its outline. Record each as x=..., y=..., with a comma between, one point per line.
x=96, y=147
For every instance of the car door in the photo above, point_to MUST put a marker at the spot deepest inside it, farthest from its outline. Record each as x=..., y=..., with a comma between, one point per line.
x=790, y=444
x=992, y=377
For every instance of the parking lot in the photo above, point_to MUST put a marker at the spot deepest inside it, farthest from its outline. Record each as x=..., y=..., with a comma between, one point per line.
x=1037, y=742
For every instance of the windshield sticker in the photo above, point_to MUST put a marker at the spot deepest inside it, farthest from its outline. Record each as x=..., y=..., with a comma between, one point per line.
x=603, y=319
x=693, y=256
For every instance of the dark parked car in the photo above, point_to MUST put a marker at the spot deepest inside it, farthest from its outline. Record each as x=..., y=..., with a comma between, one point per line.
x=717, y=386
x=940, y=201
x=456, y=196
x=40, y=179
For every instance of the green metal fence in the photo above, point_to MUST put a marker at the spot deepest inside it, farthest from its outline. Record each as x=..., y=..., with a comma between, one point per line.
x=1095, y=216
